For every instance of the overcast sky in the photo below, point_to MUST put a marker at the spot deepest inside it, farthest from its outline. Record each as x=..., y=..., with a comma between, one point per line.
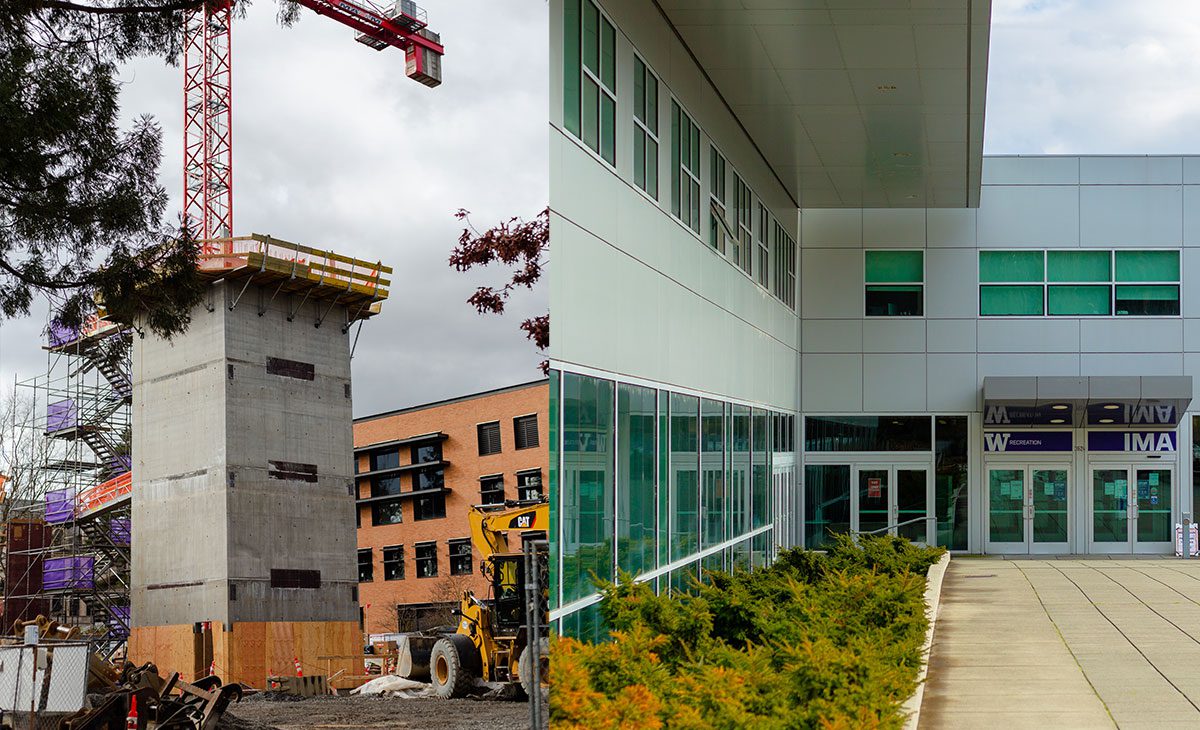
x=335, y=147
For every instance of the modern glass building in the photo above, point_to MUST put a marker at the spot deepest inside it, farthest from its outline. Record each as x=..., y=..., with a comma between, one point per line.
x=791, y=298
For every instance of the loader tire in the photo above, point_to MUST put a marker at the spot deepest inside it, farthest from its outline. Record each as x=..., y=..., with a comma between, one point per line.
x=525, y=667
x=447, y=671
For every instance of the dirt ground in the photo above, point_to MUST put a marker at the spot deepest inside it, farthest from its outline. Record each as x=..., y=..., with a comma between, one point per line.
x=360, y=713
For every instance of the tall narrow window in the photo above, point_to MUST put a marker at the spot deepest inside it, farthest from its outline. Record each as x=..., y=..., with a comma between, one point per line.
x=743, y=247
x=393, y=562
x=366, y=567
x=426, y=559
x=685, y=168
x=895, y=283
x=645, y=128
x=716, y=201
x=784, y=285
x=764, y=254
x=460, y=557
x=590, y=77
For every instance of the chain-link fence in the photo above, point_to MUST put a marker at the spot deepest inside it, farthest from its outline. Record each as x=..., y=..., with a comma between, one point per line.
x=537, y=628
x=42, y=684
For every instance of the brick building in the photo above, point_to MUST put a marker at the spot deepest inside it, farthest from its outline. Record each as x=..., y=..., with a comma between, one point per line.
x=418, y=472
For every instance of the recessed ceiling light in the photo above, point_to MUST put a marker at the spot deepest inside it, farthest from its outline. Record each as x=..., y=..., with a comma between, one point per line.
x=901, y=154
x=911, y=196
x=885, y=88
x=1060, y=406
x=1058, y=420
x=1112, y=406
x=1106, y=420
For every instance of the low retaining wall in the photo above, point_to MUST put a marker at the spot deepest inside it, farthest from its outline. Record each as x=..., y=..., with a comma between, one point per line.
x=933, y=597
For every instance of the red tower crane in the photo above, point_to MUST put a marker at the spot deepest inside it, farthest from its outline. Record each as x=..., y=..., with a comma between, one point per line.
x=208, y=94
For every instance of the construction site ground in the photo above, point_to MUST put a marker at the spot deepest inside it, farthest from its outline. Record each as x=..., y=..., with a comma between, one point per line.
x=360, y=713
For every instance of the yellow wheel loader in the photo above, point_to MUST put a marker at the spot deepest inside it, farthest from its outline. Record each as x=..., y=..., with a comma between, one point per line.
x=489, y=641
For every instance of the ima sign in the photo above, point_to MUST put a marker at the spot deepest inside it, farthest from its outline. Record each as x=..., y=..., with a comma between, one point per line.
x=1136, y=441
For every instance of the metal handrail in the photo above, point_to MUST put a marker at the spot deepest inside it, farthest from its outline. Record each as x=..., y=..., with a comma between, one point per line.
x=892, y=527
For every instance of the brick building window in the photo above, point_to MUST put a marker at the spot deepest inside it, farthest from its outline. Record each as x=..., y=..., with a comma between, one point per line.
x=366, y=566
x=491, y=489
x=489, y=438
x=390, y=512
x=525, y=433
x=529, y=485
x=385, y=460
x=431, y=507
x=460, y=556
x=426, y=453
x=426, y=559
x=393, y=562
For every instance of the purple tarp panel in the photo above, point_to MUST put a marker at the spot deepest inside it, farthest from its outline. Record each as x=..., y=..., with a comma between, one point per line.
x=119, y=623
x=118, y=530
x=61, y=335
x=60, y=416
x=60, y=573
x=120, y=464
x=60, y=505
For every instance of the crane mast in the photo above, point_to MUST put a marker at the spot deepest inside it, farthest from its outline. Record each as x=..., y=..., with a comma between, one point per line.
x=208, y=94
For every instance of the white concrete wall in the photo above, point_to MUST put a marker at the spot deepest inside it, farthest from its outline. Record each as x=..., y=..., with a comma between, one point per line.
x=938, y=362
x=635, y=292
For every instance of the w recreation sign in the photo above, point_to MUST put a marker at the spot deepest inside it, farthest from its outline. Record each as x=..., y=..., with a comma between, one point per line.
x=1014, y=441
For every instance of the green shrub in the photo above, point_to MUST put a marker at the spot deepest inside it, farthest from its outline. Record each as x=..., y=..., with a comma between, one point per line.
x=827, y=640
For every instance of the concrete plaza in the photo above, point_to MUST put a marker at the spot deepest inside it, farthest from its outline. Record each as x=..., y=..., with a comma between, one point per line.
x=1066, y=643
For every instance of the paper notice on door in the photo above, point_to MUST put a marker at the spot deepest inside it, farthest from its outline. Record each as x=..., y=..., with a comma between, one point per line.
x=1049, y=489
x=1122, y=483
x=1003, y=489
x=1109, y=489
x=1154, y=479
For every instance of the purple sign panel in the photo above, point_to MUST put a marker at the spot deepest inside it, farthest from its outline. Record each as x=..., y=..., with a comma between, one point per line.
x=1152, y=442
x=60, y=505
x=60, y=573
x=1137, y=415
x=60, y=416
x=1013, y=441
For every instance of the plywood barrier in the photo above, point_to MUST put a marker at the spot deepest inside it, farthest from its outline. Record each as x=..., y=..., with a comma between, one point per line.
x=248, y=652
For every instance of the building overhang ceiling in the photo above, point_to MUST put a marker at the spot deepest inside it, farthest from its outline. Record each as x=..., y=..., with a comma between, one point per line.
x=1097, y=400
x=854, y=103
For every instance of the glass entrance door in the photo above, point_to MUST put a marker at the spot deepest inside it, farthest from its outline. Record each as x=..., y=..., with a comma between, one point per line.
x=1131, y=509
x=1028, y=509
x=886, y=496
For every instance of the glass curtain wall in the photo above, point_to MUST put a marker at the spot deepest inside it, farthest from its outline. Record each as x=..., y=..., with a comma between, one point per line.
x=643, y=477
x=950, y=481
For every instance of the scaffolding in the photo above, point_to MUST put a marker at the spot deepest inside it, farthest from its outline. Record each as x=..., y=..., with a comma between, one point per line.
x=67, y=520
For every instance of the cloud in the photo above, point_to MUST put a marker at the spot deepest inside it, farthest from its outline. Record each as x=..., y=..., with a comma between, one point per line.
x=335, y=148
x=1093, y=76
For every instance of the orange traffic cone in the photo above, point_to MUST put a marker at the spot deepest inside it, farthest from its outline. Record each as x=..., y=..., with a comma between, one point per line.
x=212, y=668
x=131, y=720
x=299, y=671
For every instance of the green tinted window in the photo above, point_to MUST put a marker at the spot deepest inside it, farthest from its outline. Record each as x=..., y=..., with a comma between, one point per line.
x=1011, y=266
x=591, y=37
x=739, y=472
x=636, y=502
x=1000, y=301
x=712, y=470
x=1147, y=300
x=685, y=477
x=571, y=64
x=761, y=475
x=1147, y=266
x=1078, y=266
x=895, y=267
x=1078, y=300
x=587, y=484
x=608, y=55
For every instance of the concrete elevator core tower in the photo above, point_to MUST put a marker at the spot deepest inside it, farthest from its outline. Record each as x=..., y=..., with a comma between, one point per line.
x=244, y=549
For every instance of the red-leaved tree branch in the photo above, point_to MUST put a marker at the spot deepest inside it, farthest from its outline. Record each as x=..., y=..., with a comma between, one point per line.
x=523, y=245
